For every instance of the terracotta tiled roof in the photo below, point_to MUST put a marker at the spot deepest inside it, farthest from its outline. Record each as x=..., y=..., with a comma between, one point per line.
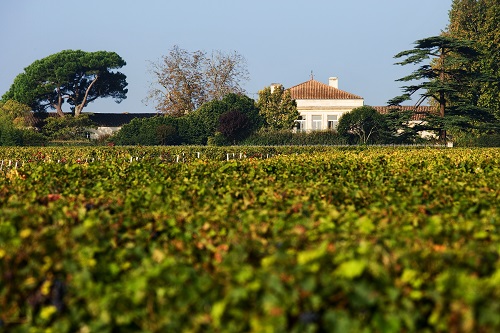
x=419, y=113
x=313, y=89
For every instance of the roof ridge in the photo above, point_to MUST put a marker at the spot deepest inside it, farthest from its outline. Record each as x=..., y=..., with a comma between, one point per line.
x=303, y=83
x=313, y=89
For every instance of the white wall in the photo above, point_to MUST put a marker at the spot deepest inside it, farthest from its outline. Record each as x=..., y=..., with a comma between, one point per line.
x=101, y=131
x=333, y=82
x=324, y=108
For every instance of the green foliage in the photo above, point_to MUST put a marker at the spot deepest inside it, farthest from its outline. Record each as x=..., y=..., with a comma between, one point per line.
x=218, y=140
x=166, y=134
x=488, y=140
x=67, y=127
x=362, y=125
x=129, y=133
x=9, y=135
x=277, y=108
x=449, y=81
x=197, y=127
x=476, y=140
x=75, y=77
x=13, y=126
x=203, y=123
x=478, y=21
x=265, y=137
x=12, y=136
x=401, y=129
x=31, y=137
x=161, y=130
x=14, y=112
x=234, y=125
x=342, y=240
x=207, y=117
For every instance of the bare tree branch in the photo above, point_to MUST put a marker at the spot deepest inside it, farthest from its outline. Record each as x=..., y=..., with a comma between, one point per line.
x=186, y=80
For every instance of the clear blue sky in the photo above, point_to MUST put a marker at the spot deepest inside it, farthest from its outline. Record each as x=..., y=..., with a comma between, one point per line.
x=282, y=41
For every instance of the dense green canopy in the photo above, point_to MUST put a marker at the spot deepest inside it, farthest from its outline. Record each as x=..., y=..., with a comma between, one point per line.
x=277, y=108
x=75, y=77
x=479, y=21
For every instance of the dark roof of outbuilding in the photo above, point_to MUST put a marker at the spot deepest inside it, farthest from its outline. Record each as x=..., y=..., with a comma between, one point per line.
x=419, y=112
x=100, y=119
x=117, y=119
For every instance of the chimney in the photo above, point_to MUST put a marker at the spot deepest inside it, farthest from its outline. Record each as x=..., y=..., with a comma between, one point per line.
x=333, y=82
x=274, y=86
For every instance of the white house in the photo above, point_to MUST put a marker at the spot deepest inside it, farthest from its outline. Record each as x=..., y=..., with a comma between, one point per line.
x=321, y=105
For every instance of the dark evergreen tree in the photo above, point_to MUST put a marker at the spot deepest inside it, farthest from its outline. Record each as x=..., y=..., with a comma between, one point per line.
x=447, y=80
x=479, y=21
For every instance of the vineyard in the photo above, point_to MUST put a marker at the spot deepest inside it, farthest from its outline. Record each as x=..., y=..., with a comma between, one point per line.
x=249, y=239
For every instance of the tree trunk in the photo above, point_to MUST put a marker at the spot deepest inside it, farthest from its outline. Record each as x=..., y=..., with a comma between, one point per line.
x=59, y=110
x=79, y=107
x=442, y=97
x=58, y=106
x=442, y=107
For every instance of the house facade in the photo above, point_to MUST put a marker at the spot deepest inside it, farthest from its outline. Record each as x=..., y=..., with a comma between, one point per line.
x=321, y=105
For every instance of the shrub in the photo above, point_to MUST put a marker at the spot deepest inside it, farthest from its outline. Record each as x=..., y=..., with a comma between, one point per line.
x=362, y=125
x=67, y=127
x=470, y=140
x=489, y=140
x=166, y=134
x=234, y=125
x=217, y=140
x=241, y=117
x=161, y=130
x=286, y=137
x=32, y=138
x=10, y=136
x=206, y=119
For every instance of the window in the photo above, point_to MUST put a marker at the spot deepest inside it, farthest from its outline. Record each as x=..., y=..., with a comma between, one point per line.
x=316, y=123
x=300, y=124
x=332, y=122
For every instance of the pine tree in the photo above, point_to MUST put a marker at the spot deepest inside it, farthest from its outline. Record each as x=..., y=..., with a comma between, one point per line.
x=448, y=80
x=479, y=21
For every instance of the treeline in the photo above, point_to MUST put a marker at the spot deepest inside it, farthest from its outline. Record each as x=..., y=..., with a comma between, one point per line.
x=229, y=120
x=236, y=120
x=202, y=101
